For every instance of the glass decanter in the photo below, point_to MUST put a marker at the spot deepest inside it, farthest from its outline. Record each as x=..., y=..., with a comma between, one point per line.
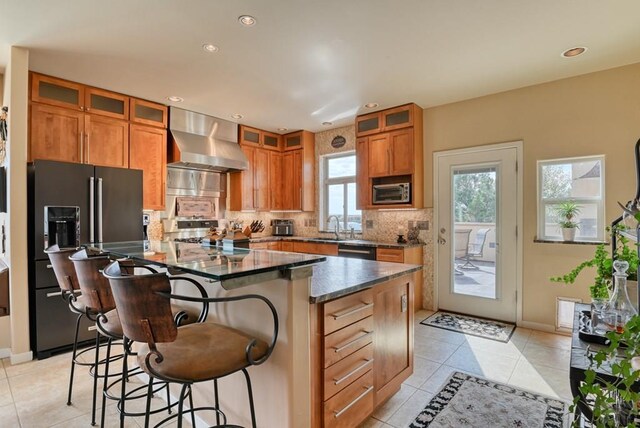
x=618, y=310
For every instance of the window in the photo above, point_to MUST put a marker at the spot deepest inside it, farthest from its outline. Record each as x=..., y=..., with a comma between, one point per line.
x=338, y=192
x=580, y=180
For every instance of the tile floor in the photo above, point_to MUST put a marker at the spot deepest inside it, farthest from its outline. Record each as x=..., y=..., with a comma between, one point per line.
x=34, y=394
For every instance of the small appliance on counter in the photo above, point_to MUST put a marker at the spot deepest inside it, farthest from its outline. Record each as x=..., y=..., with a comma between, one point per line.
x=399, y=193
x=282, y=227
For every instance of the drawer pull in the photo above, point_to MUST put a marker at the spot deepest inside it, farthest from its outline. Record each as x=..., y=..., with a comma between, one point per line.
x=353, y=403
x=57, y=293
x=49, y=266
x=348, y=312
x=348, y=375
x=346, y=345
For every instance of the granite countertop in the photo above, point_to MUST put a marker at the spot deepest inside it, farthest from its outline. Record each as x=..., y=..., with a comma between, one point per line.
x=339, y=276
x=333, y=241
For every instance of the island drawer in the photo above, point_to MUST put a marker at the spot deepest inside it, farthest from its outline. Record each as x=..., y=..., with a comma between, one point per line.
x=348, y=340
x=395, y=255
x=347, y=310
x=352, y=405
x=344, y=372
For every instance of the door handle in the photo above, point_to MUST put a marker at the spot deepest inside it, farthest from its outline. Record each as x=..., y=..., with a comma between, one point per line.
x=441, y=239
x=92, y=202
x=100, y=210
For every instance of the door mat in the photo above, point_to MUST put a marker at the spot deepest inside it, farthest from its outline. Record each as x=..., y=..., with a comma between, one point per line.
x=489, y=329
x=470, y=401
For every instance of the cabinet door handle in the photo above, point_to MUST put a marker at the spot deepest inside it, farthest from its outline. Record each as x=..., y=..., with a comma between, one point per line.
x=348, y=312
x=88, y=147
x=353, y=403
x=352, y=342
x=81, y=147
x=338, y=381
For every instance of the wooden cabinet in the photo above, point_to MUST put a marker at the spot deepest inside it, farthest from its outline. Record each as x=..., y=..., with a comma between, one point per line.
x=250, y=189
x=410, y=255
x=56, y=133
x=276, y=190
x=259, y=138
x=106, y=141
x=148, y=152
x=105, y=103
x=315, y=248
x=57, y=92
x=389, y=150
x=363, y=346
x=148, y=113
x=289, y=183
x=273, y=246
x=286, y=246
x=393, y=345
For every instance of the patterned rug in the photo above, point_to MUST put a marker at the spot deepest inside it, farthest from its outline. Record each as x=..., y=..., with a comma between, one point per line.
x=469, y=401
x=495, y=330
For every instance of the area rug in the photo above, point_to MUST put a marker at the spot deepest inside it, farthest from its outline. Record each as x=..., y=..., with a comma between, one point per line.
x=489, y=329
x=469, y=401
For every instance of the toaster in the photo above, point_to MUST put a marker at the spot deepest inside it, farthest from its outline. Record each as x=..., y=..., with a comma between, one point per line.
x=282, y=227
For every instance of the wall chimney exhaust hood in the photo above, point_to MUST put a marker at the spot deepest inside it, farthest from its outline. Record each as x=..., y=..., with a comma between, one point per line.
x=204, y=142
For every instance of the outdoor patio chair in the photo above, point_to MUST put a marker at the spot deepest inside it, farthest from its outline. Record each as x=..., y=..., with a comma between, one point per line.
x=461, y=247
x=475, y=249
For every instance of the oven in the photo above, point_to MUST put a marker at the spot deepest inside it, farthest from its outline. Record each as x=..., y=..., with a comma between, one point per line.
x=399, y=193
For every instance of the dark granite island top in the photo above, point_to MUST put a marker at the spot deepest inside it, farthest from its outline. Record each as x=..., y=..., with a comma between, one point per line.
x=339, y=276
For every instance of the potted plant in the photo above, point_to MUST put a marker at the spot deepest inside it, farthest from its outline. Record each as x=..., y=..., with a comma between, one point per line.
x=567, y=212
x=603, y=262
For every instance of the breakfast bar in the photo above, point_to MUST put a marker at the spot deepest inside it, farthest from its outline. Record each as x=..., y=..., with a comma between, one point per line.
x=339, y=319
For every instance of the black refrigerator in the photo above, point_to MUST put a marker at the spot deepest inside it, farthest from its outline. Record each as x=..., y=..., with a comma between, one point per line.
x=70, y=204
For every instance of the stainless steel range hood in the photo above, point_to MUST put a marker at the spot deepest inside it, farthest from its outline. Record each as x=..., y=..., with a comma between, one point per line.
x=204, y=142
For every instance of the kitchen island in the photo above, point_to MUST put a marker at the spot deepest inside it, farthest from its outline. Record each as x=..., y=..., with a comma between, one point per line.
x=345, y=341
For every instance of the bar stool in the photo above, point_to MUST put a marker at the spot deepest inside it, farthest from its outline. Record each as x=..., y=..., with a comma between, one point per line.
x=188, y=354
x=68, y=282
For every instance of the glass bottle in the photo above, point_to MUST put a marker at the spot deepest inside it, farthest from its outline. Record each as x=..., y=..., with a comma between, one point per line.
x=618, y=310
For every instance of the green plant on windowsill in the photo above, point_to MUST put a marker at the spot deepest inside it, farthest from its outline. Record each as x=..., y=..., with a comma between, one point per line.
x=603, y=281
x=567, y=211
x=614, y=404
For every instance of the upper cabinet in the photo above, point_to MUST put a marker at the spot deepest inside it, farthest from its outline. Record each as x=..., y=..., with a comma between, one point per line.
x=148, y=113
x=57, y=92
x=259, y=138
x=389, y=150
x=73, y=122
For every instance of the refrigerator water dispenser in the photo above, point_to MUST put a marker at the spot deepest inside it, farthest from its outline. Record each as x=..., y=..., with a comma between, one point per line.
x=61, y=227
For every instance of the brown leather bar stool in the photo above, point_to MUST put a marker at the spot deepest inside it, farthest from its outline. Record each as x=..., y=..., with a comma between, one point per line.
x=188, y=354
x=68, y=281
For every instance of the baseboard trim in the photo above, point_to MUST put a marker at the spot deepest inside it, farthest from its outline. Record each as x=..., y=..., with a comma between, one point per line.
x=541, y=327
x=21, y=358
x=5, y=352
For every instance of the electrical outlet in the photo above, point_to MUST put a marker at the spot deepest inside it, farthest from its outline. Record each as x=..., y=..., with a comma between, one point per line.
x=369, y=224
x=410, y=224
x=423, y=225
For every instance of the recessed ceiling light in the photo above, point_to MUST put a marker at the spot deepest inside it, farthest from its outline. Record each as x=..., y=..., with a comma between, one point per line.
x=371, y=105
x=570, y=53
x=236, y=116
x=327, y=123
x=175, y=99
x=210, y=48
x=247, y=20
x=283, y=129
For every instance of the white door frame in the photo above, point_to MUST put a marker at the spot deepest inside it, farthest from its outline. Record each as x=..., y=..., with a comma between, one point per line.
x=518, y=145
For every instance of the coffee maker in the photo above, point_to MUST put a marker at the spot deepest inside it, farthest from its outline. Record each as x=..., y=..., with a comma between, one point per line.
x=61, y=227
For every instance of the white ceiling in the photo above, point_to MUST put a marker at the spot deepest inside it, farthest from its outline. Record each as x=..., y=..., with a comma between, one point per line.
x=310, y=61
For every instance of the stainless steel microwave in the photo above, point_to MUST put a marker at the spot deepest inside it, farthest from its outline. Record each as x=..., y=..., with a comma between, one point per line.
x=399, y=193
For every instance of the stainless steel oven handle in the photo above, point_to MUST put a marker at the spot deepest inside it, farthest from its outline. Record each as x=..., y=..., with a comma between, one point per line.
x=100, y=210
x=92, y=210
x=343, y=250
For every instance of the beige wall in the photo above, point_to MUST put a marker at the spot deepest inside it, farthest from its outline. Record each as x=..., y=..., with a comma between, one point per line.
x=597, y=113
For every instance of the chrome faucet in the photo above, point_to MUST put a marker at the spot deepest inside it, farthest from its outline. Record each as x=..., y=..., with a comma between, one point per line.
x=337, y=230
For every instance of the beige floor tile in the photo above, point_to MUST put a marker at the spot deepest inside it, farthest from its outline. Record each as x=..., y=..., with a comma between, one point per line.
x=521, y=334
x=541, y=379
x=9, y=416
x=437, y=380
x=60, y=362
x=433, y=350
x=549, y=339
x=421, y=315
x=443, y=335
x=372, y=423
x=422, y=370
x=508, y=349
x=492, y=366
x=410, y=409
x=3, y=373
x=5, y=393
x=384, y=412
x=552, y=357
